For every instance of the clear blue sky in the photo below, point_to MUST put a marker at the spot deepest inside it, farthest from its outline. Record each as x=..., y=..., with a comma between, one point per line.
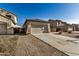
x=65, y=12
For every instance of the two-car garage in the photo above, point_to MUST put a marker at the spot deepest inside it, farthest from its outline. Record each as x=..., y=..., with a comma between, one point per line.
x=39, y=28
x=35, y=26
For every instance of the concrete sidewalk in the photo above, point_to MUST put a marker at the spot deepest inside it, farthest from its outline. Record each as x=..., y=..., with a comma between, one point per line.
x=68, y=45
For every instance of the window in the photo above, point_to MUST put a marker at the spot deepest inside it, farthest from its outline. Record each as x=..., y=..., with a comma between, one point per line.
x=8, y=16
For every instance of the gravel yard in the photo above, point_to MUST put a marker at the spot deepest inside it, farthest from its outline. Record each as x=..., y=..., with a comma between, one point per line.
x=8, y=44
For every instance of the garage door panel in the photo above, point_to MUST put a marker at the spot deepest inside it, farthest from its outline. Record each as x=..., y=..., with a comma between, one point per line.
x=38, y=28
x=2, y=29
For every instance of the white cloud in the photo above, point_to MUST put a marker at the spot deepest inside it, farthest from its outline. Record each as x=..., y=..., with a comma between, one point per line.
x=75, y=21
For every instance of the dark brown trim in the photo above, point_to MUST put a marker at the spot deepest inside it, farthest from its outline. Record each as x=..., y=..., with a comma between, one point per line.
x=35, y=20
x=7, y=11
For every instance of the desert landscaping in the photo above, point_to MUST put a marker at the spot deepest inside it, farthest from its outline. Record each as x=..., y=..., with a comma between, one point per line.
x=37, y=37
x=8, y=44
x=42, y=44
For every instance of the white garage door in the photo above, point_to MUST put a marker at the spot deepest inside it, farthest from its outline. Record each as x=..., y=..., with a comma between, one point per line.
x=2, y=29
x=37, y=29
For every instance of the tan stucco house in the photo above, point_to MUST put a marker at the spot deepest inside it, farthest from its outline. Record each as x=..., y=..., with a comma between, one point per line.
x=75, y=27
x=36, y=26
x=8, y=21
x=40, y=26
x=57, y=25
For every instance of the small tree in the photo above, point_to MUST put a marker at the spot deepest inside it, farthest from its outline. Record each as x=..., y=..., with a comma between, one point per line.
x=60, y=32
x=69, y=31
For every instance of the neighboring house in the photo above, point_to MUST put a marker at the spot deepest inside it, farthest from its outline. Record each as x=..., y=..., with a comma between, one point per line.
x=40, y=26
x=57, y=25
x=8, y=21
x=36, y=26
x=68, y=27
x=76, y=27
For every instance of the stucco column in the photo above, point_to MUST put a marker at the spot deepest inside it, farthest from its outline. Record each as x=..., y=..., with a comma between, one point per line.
x=29, y=28
x=48, y=28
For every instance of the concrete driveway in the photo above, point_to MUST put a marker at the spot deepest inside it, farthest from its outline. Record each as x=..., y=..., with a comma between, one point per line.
x=68, y=45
